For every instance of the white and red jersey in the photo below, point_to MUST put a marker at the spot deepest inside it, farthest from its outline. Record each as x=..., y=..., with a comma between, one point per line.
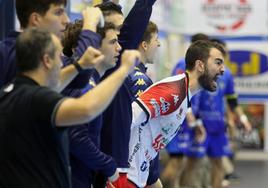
x=157, y=116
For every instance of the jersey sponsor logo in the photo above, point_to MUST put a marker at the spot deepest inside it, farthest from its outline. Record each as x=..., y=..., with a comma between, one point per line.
x=164, y=105
x=136, y=149
x=139, y=93
x=140, y=82
x=164, y=98
x=138, y=73
x=176, y=99
x=166, y=130
x=147, y=155
x=156, y=107
x=143, y=166
x=163, y=108
x=158, y=143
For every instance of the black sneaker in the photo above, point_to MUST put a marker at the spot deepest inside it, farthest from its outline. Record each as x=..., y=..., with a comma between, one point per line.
x=233, y=178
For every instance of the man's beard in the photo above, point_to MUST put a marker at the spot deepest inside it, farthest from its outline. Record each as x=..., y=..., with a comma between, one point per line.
x=206, y=81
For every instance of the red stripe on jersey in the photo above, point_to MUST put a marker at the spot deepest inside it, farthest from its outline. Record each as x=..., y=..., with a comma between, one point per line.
x=164, y=98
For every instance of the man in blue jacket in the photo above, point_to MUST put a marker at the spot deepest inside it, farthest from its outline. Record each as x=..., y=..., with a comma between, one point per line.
x=50, y=15
x=85, y=155
x=131, y=32
x=117, y=118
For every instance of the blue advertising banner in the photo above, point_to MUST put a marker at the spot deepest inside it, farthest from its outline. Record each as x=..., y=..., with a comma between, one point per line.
x=248, y=61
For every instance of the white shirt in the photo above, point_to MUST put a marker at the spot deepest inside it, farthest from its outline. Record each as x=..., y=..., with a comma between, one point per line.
x=157, y=116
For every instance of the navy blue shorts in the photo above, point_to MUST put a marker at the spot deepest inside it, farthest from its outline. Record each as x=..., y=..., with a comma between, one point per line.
x=215, y=145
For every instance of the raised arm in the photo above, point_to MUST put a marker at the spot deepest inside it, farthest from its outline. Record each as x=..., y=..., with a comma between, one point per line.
x=90, y=105
x=87, y=61
x=135, y=24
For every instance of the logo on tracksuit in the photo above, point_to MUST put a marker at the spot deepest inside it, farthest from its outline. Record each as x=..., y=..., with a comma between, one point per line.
x=144, y=166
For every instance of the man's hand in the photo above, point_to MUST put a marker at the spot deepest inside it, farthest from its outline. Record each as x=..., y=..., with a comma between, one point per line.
x=247, y=125
x=200, y=133
x=92, y=16
x=129, y=58
x=91, y=58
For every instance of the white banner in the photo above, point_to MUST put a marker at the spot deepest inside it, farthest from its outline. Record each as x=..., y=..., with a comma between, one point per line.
x=213, y=17
x=167, y=14
x=226, y=17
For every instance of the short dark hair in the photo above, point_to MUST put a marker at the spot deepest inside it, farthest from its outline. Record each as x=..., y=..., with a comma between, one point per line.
x=200, y=50
x=107, y=26
x=31, y=46
x=151, y=28
x=218, y=41
x=72, y=32
x=25, y=8
x=109, y=8
x=199, y=36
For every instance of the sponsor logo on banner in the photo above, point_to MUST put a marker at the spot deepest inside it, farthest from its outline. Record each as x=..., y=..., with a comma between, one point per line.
x=250, y=69
x=226, y=15
x=247, y=63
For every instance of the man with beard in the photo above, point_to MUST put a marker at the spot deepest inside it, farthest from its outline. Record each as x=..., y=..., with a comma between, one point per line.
x=171, y=174
x=210, y=108
x=159, y=111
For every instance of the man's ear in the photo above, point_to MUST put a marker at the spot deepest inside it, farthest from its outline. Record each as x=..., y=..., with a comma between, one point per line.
x=200, y=66
x=46, y=62
x=34, y=19
x=144, y=45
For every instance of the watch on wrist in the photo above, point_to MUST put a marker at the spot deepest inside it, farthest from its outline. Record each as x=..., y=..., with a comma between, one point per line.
x=76, y=64
x=78, y=67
